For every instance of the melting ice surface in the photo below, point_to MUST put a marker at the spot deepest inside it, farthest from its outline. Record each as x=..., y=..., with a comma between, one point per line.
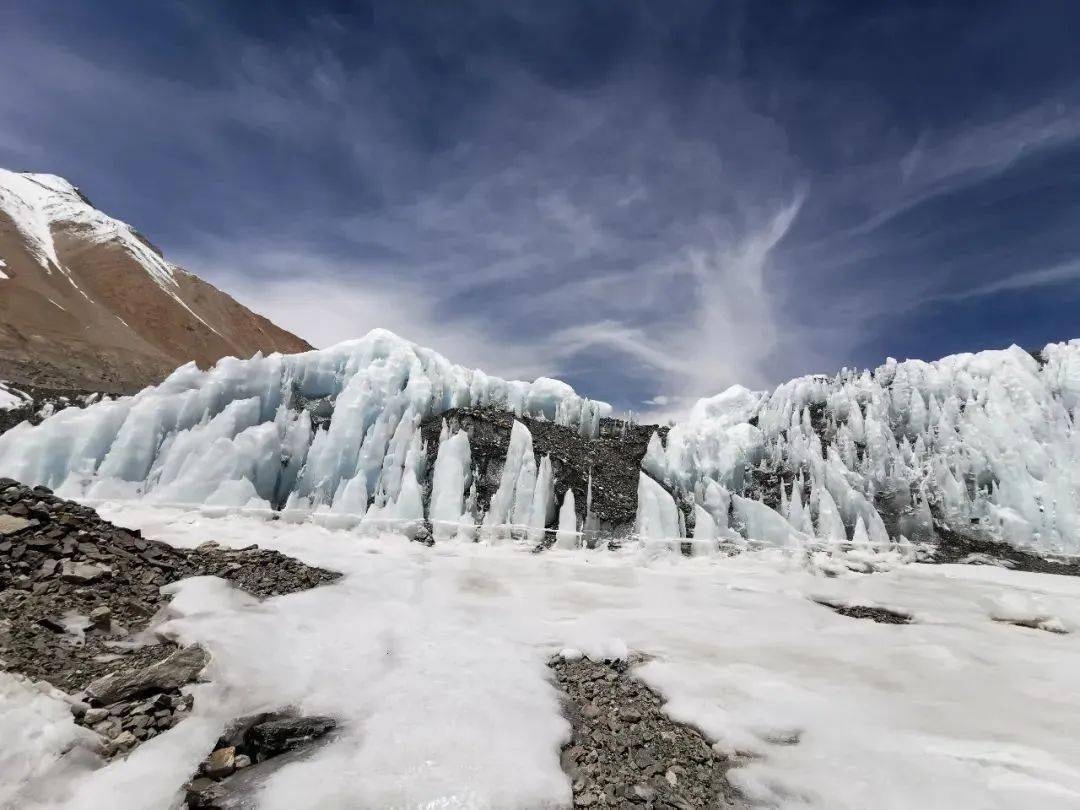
x=434, y=661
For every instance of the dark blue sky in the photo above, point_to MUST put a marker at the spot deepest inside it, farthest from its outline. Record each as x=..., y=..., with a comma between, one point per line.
x=650, y=200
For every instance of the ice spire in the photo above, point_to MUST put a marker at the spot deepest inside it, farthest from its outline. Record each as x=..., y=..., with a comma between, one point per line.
x=567, y=535
x=449, y=480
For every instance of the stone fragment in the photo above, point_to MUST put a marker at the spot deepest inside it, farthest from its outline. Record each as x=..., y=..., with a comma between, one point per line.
x=178, y=669
x=221, y=763
x=642, y=793
x=52, y=624
x=123, y=741
x=108, y=728
x=94, y=716
x=81, y=573
x=10, y=524
x=277, y=736
x=101, y=619
x=203, y=793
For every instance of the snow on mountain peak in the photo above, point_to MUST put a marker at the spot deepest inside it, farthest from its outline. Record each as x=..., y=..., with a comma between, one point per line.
x=41, y=204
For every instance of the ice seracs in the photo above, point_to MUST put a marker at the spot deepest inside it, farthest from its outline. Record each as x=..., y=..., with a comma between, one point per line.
x=870, y=461
x=985, y=442
x=242, y=435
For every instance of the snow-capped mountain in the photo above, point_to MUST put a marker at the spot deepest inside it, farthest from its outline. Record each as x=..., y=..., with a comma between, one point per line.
x=86, y=301
x=977, y=444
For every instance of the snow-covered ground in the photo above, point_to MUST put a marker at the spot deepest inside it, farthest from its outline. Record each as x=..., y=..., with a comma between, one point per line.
x=435, y=661
x=11, y=397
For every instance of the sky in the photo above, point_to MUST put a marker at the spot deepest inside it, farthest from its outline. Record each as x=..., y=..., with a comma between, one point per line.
x=652, y=201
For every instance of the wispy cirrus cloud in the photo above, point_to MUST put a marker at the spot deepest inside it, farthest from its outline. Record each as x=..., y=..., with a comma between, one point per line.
x=1066, y=273
x=652, y=204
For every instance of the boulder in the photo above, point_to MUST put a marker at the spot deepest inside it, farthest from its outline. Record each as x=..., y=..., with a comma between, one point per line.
x=101, y=619
x=81, y=573
x=9, y=524
x=277, y=736
x=178, y=669
x=221, y=763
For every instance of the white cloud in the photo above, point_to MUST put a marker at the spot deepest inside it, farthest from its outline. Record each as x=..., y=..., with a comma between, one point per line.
x=1032, y=279
x=326, y=302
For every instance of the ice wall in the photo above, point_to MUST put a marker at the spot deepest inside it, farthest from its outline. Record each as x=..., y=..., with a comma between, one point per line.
x=983, y=441
x=242, y=434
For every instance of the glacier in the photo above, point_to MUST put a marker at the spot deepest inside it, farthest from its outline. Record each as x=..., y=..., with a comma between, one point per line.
x=870, y=461
x=984, y=442
x=331, y=434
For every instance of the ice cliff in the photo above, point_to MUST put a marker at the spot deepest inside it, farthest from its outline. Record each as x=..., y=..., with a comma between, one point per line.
x=984, y=443
x=333, y=432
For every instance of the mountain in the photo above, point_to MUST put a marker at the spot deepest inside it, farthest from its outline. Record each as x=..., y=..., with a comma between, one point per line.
x=974, y=454
x=87, y=302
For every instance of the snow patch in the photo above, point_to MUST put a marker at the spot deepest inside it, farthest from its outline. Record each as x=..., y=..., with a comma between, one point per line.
x=11, y=398
x=444, y=698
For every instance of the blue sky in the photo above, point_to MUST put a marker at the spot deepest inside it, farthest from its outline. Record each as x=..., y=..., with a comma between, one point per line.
x=649, y=200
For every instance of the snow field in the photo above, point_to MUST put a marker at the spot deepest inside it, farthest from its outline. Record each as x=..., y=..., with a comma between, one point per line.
x=435, y=661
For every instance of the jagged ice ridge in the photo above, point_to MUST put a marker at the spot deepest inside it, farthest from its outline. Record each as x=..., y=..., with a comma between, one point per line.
x=245, y=434
x=982, y=441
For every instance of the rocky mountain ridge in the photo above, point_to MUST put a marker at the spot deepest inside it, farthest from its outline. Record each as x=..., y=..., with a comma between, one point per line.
x=86, y=301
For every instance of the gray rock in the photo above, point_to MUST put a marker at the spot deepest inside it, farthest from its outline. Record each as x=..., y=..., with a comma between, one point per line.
x=108, y=728
x=123, y=741
x=101, y=619
x=277, y=736
x=9, y=524
x=242, y=761
x=81, y=573
x=203, y=793
x=221, y=763
x=93, y=716
x=642, y=793
x=178, y=669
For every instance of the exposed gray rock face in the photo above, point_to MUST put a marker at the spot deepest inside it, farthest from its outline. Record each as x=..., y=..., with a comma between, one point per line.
x=81, y=573
x=877, y=614
x=65, y=561
x=613, y=460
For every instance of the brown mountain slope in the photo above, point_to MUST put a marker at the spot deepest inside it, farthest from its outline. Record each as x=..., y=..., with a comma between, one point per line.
x=87, y=302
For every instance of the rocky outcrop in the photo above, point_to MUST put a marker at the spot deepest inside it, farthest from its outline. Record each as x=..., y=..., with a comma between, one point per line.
x=602, y=471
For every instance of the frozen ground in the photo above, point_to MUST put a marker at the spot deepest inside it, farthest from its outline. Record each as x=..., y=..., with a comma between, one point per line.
x=435, y=661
